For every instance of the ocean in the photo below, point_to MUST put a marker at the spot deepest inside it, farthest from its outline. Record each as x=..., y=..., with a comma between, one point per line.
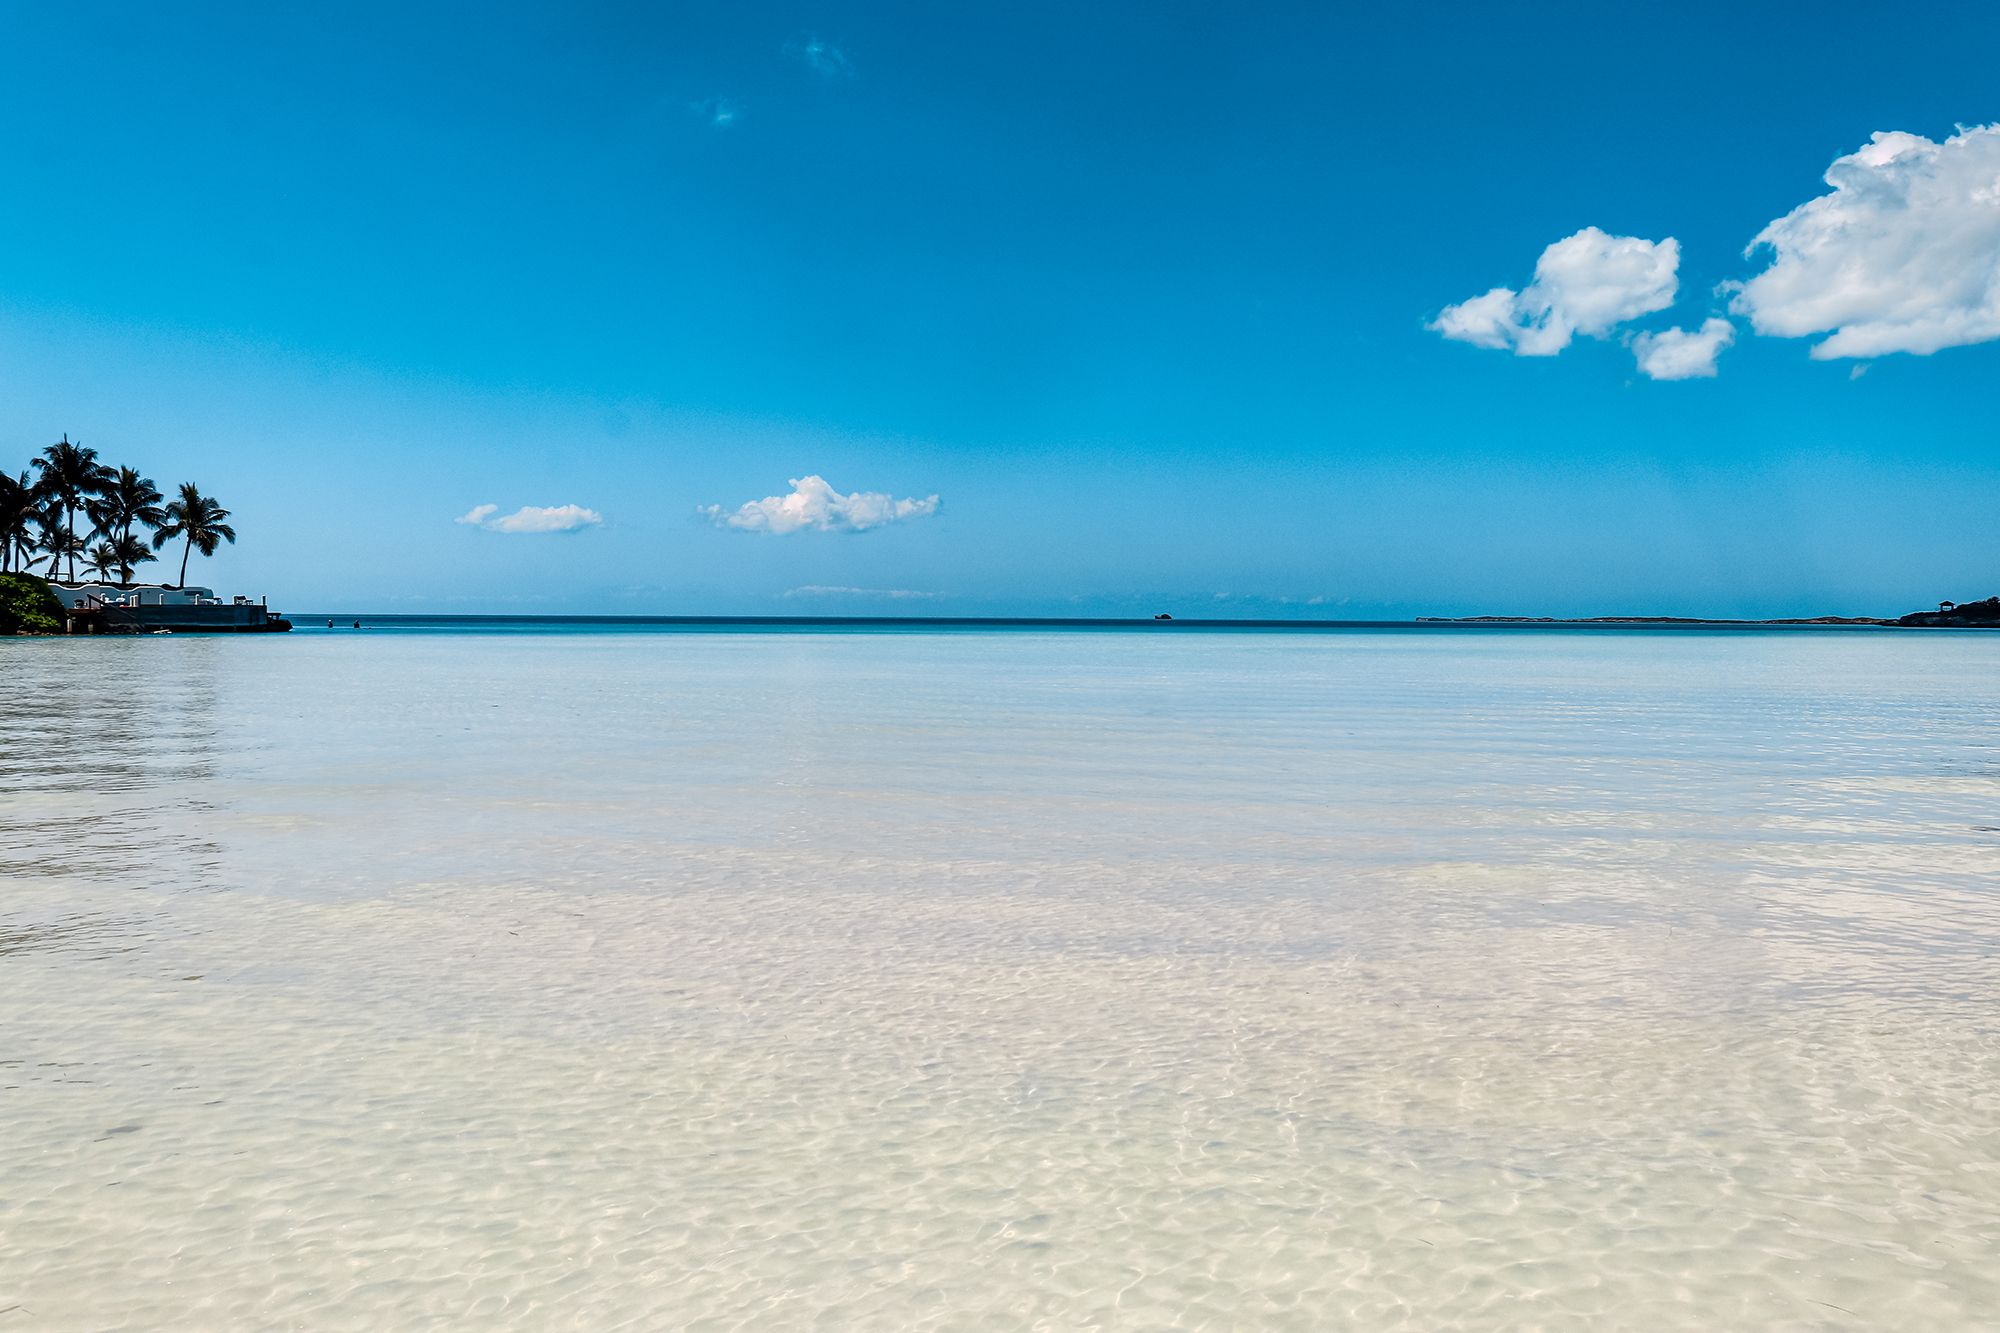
x=781, y=976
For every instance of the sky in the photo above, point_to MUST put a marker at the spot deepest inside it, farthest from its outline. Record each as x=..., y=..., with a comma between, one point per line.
x=1244, y=310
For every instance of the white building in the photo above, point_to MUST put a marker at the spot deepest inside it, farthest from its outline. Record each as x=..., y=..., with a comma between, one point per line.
x=74, y=595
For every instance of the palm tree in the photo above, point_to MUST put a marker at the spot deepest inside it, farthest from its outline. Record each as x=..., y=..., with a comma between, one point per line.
x=102, y=561
x=128, y=498
x=197, y=518
x=118, y=555
x=17, y=515
x=70, y=474
x=127, y=551
x=54, y=540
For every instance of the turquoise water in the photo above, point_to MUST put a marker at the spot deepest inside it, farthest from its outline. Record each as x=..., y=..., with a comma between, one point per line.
x=345, y=621
x=1018, y=978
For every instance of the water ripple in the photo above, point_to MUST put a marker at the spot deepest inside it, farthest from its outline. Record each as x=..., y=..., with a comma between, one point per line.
x=1013, y=981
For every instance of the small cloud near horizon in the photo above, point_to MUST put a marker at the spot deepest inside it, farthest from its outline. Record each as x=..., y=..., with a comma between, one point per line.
x=830, y=590
x=814, y=504
x=531, y=519
x=1280, y=599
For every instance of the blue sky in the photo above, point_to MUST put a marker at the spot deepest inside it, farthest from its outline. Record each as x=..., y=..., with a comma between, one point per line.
x=1145, y=296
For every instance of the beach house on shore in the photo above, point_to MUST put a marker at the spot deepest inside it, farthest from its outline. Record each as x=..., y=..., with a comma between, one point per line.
x=77, y=595
x=124, y=608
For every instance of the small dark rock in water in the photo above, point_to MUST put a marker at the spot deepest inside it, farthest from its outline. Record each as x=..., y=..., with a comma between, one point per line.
x=1163, y=616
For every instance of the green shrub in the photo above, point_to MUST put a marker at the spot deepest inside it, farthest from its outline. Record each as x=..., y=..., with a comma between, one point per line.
x=27, y=603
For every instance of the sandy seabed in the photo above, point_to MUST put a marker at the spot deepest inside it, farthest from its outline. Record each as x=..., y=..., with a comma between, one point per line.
x=1001, y=981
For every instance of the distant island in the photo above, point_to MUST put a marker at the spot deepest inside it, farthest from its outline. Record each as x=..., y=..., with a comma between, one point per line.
x=1949, y=615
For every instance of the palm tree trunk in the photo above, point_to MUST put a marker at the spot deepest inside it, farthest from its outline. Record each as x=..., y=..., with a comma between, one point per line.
x=186, y=551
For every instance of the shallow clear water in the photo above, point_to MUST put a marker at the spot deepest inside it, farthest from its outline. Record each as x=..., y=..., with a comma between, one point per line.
x=1000, y=980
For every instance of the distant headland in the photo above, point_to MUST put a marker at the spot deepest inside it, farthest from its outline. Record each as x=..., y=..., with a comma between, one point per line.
x=1949, y=615
x=1957, y=614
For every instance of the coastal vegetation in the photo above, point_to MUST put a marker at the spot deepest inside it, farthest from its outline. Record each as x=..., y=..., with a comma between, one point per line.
x=1962, y=613
x=28, y=607
x=68, y=508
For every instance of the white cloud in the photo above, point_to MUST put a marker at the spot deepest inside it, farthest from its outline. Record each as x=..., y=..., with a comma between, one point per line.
x=1683, y=354
x=823, y=57
x=719, y=112
x=1902, y=256
x=1588, y=283
x=827, y=590
x=812, y=503
x=1483, y=321
x=531, y=518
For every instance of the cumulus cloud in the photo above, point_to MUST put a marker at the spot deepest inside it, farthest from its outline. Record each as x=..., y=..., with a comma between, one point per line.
x=813, y=504
x=830, y=590
x=1484, y=321
x=822, y=57
x=531, y=518
x=1902, y=256
x=1586, y=284
x=1683, y=354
